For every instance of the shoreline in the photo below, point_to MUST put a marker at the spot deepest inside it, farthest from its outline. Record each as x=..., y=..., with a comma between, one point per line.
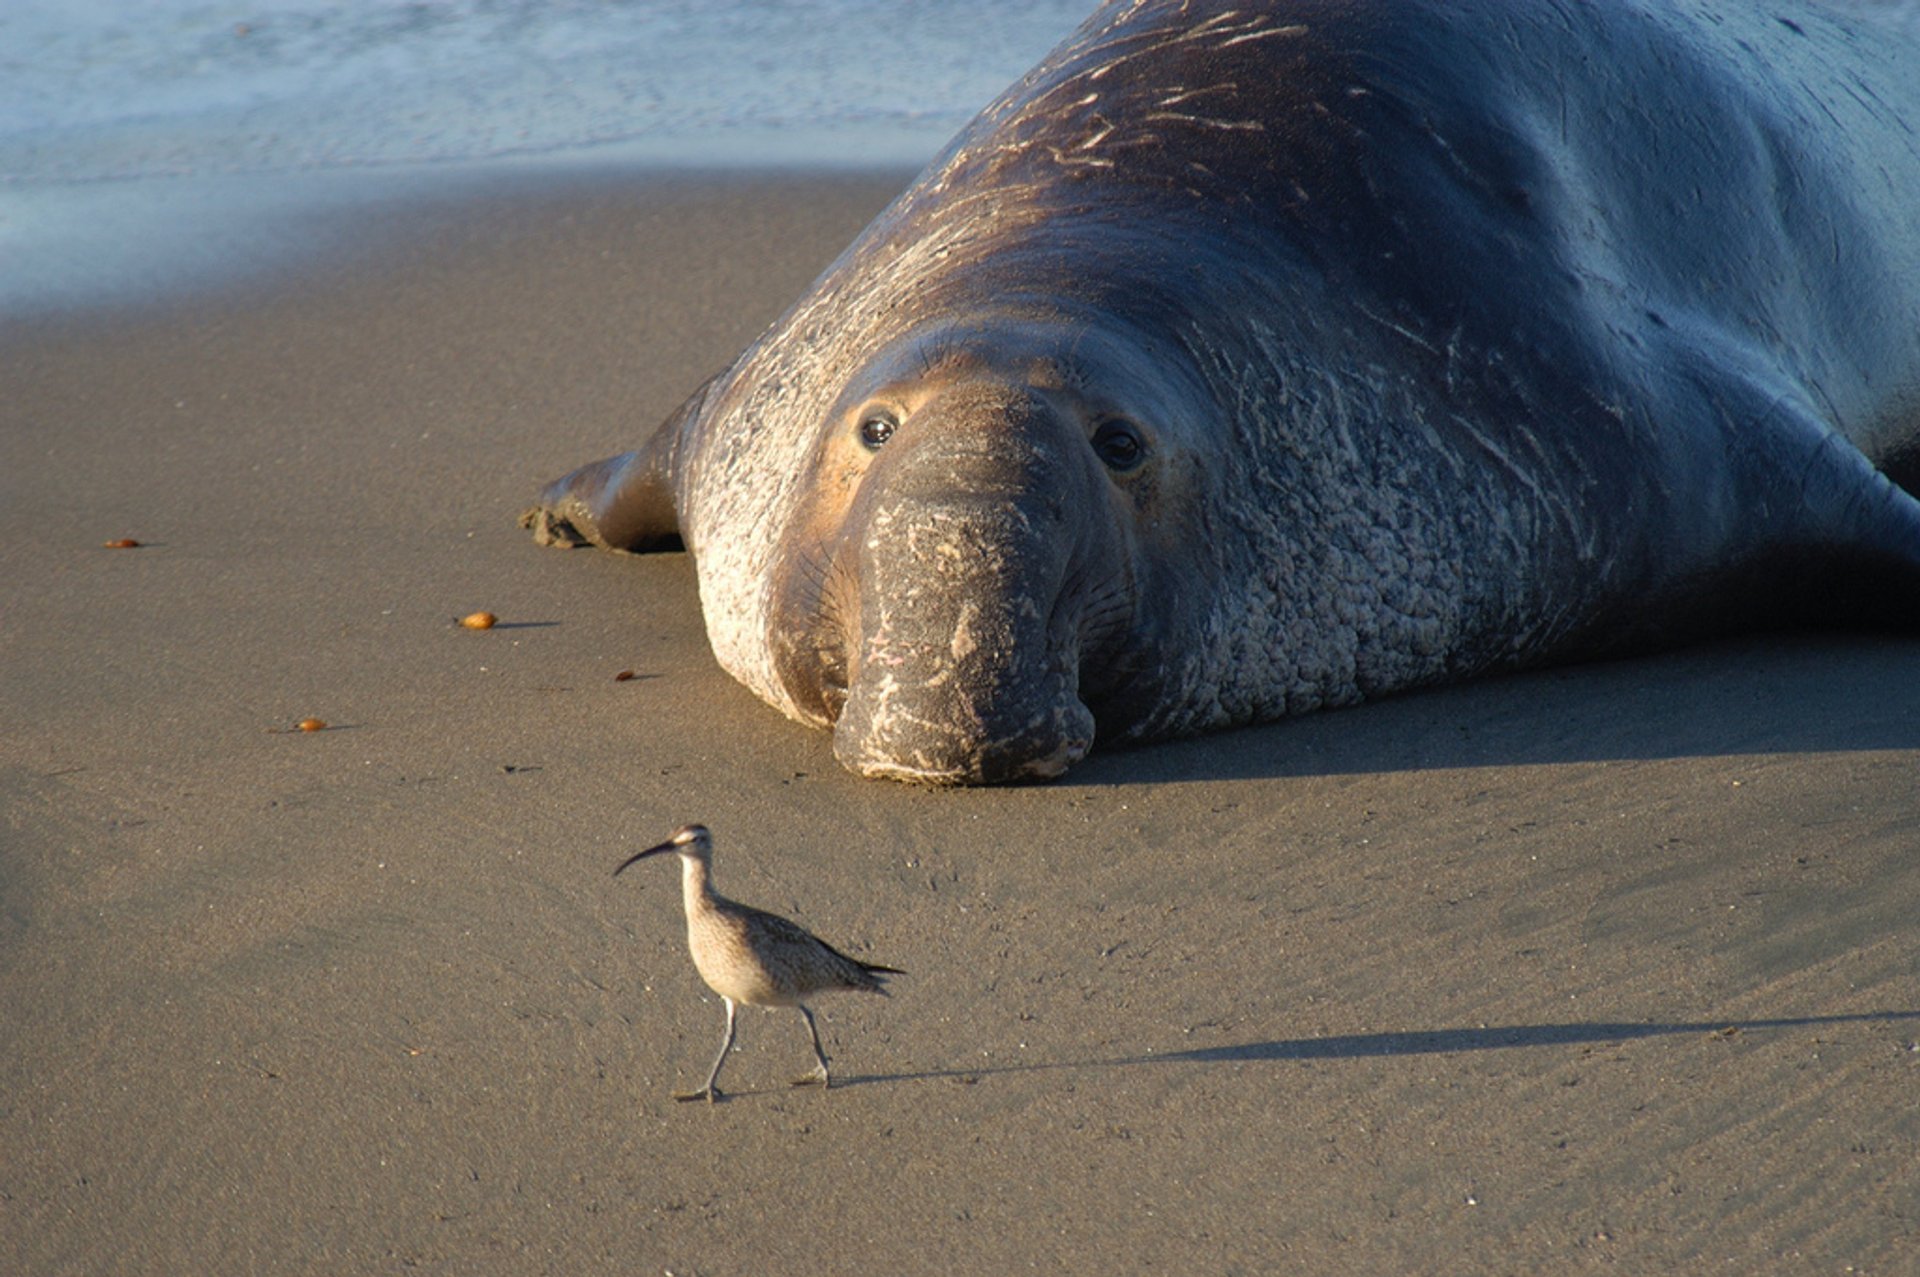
x=145, y=242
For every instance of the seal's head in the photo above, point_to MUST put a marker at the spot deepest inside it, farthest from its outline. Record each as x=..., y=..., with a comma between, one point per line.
x=992, y=533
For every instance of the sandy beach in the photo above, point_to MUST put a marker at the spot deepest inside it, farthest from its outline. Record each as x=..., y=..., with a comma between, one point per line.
x=1613, y=968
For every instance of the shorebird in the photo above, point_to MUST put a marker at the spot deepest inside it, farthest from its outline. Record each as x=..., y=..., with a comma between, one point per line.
x=752, y=956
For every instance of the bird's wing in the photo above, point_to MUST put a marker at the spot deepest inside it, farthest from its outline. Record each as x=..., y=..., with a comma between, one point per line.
x=784, y=931
x=777, y=929
x=871, y=968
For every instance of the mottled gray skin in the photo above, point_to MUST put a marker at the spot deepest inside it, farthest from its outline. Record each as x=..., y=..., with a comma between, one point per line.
x=1240, y=363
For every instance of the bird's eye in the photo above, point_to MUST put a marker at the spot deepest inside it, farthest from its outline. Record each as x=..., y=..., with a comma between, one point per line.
x=876, y=428
x=1118, y=445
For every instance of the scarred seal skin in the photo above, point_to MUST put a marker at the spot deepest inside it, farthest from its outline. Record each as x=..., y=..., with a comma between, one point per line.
x=1245, y=361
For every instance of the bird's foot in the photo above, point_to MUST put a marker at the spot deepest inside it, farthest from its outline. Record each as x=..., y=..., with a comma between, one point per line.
x=711, y=1094
x=817, y=1078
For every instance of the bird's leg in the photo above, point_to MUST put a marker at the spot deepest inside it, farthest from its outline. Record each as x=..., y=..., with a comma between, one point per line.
x=711, y=1093
x=819, y=1075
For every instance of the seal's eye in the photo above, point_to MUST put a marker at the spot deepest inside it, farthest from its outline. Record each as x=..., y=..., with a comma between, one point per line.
x=1119, y=446
x=876, y=428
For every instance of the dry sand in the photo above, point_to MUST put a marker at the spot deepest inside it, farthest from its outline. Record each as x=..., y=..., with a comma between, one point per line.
x=1612, y=967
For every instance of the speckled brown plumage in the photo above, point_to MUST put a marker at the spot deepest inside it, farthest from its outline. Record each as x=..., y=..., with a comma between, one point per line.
x=750, y=956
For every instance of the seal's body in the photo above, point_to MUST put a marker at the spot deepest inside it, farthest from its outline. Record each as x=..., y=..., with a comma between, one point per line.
x=1242, y=362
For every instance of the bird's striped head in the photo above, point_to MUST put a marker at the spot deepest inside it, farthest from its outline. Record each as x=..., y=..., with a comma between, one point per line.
x=688, y=840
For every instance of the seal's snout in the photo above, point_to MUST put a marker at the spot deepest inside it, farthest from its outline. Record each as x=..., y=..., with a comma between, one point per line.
x=883, y=741
x=973, y=547
x=938, y=713
x=964, y=670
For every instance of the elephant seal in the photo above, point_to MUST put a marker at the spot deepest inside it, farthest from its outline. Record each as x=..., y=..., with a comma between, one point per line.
x=1246, y=360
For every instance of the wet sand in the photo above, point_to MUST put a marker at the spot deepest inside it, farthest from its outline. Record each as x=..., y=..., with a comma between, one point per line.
x=1615, y=967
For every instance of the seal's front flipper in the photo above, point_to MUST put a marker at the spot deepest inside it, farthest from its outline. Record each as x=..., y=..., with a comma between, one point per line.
x=624, y=502
x=621, y=503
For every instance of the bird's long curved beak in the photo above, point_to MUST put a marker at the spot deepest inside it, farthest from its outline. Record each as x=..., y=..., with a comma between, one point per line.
x=654, y=850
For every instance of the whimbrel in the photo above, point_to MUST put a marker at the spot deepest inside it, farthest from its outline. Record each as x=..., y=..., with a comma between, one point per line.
x=752, y=956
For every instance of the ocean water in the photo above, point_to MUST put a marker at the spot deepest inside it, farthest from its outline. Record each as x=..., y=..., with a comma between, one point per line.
x=114, y=89
x=148, y=143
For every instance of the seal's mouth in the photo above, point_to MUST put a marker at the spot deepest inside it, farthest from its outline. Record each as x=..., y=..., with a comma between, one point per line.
x=990, y=690
x=889, y=732
x=987, y=767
